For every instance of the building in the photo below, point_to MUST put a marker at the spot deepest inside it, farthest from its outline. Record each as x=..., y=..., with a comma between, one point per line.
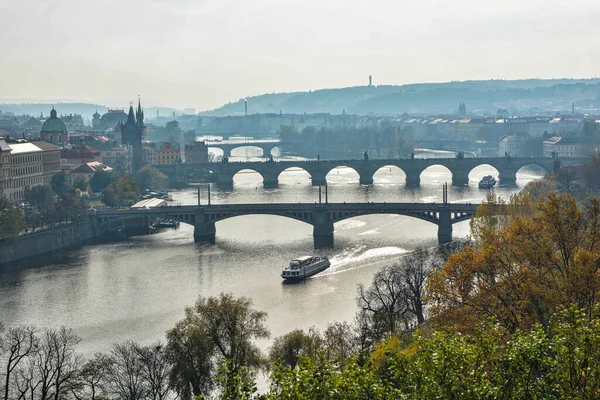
x=96, y=121
x=150, y=153
x=112, y=119
x=54, y=130
x=509, y=146
x=87, y=170
x=168, y=153
x=132, y=133
x=196, y=153
x=26, y=164
x=118, y=157
x=73, y=158
x=557, y=146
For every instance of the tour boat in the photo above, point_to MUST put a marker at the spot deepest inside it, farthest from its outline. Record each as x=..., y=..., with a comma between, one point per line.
x=302, y=267
x=487, y=182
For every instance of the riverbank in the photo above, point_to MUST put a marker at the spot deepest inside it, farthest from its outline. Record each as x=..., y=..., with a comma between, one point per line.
x=47, y=241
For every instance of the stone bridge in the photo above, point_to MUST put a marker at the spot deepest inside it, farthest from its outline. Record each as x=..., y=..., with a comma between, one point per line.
x=321, y=216
x=267, y=146
x=223, y=173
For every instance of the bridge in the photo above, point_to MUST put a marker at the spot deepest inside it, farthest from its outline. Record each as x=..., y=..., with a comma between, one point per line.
x=267, y=146
x=460, y=168
x=321, y=216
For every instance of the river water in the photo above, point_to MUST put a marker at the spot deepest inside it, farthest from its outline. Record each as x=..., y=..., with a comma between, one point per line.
x=137, y=289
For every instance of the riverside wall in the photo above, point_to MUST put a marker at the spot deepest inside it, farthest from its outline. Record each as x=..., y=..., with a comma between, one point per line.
x=47, y=241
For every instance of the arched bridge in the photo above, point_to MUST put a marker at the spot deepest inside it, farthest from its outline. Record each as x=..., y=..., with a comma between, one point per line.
x=321, y=216
x=267, y=146
x=223, y=173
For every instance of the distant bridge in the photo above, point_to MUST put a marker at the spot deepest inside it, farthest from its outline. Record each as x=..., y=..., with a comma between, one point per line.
x=267, y=146
x=321, y=216
x=223, y=173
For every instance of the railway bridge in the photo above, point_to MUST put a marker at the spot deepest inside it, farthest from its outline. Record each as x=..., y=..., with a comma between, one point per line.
x=223, y=172
x=321, y=216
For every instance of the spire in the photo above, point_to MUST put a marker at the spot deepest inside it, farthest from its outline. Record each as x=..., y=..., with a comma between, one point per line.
x=130, y=116
x=139, y=115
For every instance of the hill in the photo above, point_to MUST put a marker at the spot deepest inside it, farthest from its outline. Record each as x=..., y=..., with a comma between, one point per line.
x=522, y=96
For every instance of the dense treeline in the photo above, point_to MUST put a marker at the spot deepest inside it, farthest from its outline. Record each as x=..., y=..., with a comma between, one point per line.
x=511, y=313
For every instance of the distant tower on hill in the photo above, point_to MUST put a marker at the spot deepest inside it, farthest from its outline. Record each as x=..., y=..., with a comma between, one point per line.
x=370, y=80
x=462, y=110
x=246, y=107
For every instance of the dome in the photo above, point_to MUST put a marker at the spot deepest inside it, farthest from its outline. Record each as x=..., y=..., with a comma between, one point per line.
x=54, y=124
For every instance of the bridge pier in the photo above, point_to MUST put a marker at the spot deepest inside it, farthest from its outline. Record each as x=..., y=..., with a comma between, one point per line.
x=322, y=230
x=366, y=178
x=270, y=183
x=204, y=231
x=224, y=181
x=413, y=179
x=508, y=177
x=318, y=179
x=445, y=227
x=460, y=178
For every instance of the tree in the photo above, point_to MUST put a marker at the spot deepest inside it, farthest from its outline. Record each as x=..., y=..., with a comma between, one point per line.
x=288, y=349
x=155, y=370
x=56, y=363
x=190, y=354
x=125, y=375
x=91, y=380
x=17, y=345
x=40, y=196
x=59, y=184
x=524, y=271
x=109, y=198
x=81, y=183
x=100, y=180
x=12, y=221
x=232, y=325
x=150, y=177
x=126, y=189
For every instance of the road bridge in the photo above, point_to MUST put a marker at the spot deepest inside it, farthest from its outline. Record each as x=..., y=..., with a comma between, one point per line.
x=460, y=168
x=321, y=216
x=267, y=146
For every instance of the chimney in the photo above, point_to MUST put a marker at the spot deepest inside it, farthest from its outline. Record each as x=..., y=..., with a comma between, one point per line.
x=246, y=107
x=370, y=80
x=572, y=109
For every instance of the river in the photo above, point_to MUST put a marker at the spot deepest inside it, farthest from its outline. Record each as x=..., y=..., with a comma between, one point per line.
x=137, y=289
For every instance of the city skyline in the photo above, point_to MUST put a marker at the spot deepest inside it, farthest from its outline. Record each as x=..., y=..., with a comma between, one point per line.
x=66, y=51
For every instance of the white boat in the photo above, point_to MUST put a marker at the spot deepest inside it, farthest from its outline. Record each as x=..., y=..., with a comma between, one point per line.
x=487, y=182
x=302, y=267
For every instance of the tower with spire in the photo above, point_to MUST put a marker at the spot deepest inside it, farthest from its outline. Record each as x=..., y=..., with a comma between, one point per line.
x=132, y=133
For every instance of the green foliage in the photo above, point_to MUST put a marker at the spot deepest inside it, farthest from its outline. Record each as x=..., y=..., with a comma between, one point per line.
x=59, y=184
x=12, y=220
x=81, y=183
x=100, y=180
x=109, y=198
x=150, y=177
x=240, y=385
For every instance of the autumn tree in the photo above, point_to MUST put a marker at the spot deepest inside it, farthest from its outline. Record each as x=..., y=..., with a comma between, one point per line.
x=522, y=272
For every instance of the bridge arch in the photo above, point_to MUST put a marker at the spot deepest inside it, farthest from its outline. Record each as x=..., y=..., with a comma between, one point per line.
x=342, y=174
x=248, y=177
x=389, y=174
x=237, y=151
x=294, y=175
x=436, y=174
x=481, y=170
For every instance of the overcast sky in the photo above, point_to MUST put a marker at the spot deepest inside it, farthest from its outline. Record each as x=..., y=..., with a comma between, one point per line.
x=203, y=53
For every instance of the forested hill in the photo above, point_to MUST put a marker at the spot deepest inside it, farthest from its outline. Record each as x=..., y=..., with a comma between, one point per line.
x=523, y=96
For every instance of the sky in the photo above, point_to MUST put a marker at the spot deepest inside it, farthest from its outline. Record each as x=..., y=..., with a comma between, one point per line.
x=204, y=53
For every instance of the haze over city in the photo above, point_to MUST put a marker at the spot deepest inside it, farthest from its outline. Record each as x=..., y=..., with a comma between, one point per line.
x=203, y=54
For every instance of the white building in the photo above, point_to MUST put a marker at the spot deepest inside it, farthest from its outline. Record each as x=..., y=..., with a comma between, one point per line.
x=26, y=164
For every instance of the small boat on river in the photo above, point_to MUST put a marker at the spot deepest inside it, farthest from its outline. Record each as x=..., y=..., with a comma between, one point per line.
x=302, y=267
x=487, y=182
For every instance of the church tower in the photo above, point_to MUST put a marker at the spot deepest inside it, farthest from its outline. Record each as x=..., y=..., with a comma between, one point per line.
x=132, y=133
